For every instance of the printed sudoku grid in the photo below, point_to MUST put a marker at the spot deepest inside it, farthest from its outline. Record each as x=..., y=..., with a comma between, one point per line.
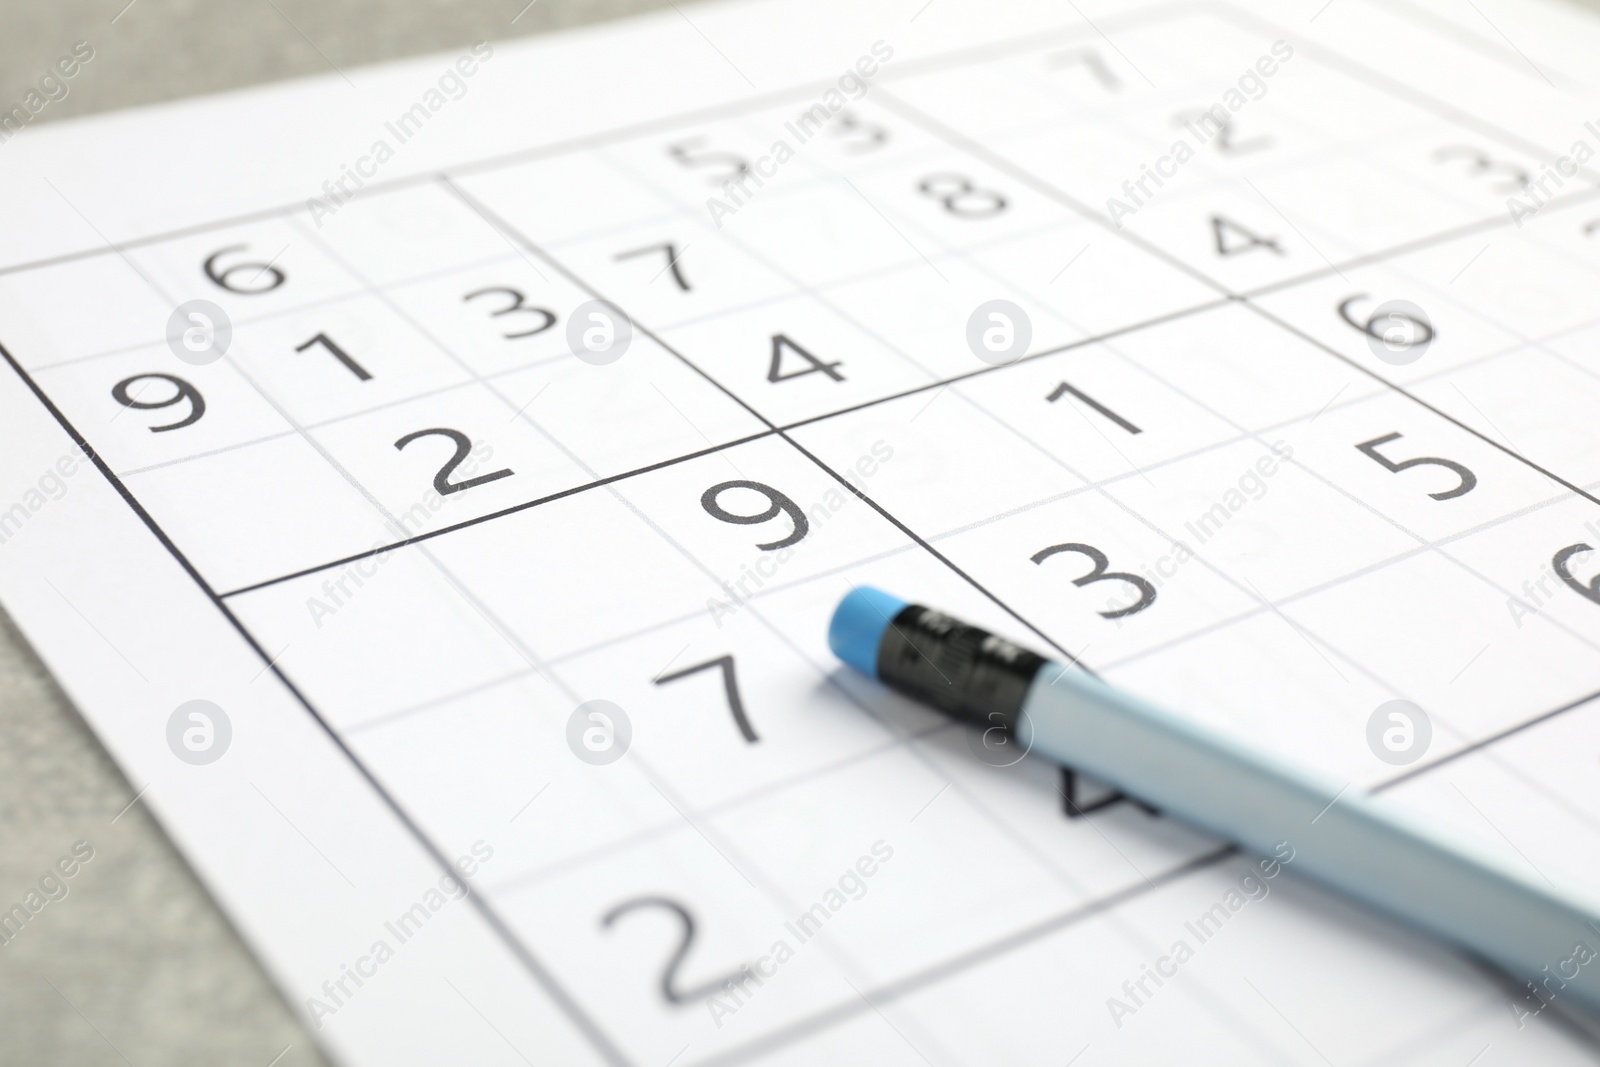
x=1191, y=409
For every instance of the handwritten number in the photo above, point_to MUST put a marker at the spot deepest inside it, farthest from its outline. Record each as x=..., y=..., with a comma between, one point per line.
x=779, y=504
x=1468, y=479
x=441, y=481
x=182, y=390
x=1147, y=592
x=730, y=685
x=516, y=305
x=670, y=992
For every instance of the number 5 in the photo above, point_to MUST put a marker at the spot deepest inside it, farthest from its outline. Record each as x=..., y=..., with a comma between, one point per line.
x=1468, y=479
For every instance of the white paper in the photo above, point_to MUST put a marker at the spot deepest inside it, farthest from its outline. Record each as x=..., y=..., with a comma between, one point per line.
x=787, y=864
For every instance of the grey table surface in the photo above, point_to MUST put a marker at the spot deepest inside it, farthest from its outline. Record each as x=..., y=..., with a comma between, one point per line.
x=136, y=966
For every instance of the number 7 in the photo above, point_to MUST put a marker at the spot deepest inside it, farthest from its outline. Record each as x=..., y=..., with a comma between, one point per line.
x=730, y=682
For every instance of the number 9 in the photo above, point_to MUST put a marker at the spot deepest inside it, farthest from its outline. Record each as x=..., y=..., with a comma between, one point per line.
x=777, y=504
x=182, y=391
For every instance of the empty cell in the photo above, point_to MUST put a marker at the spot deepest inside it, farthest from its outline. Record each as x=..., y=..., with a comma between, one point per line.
x=44, y=319
x=946, y=321
x=259, y=512
x=981, y=468
x=1250, y=511
x=372, y=637
x=896, y=816
x=1244, y=368
x=1477, y=672
x=647, y=407
x=538, y=200
x=494, y=762
x=1098, y=281
x=1534, y=403
x=565, y=575
x=393, y=235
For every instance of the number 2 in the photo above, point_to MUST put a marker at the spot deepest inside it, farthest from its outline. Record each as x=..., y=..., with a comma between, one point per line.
x=441, y=481
x=669, y=974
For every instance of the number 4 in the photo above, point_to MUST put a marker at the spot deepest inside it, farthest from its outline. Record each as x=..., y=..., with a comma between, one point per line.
x=776, y=373
x=730, y=683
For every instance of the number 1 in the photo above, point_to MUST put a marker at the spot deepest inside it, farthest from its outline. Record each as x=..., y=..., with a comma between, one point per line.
x=338, y=353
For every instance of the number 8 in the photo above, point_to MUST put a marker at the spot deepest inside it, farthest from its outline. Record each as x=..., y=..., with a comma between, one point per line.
x=960, y=197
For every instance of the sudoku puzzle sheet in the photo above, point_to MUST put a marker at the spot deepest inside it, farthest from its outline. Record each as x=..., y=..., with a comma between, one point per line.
x=525, y=489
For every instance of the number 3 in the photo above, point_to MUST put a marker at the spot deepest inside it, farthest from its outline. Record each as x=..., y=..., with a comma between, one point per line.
x=1147, y=592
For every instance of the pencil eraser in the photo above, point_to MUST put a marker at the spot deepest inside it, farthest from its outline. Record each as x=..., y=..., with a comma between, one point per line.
x=858, y=625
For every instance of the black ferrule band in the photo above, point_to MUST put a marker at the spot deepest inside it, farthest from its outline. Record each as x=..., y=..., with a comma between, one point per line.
x=967, y=673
